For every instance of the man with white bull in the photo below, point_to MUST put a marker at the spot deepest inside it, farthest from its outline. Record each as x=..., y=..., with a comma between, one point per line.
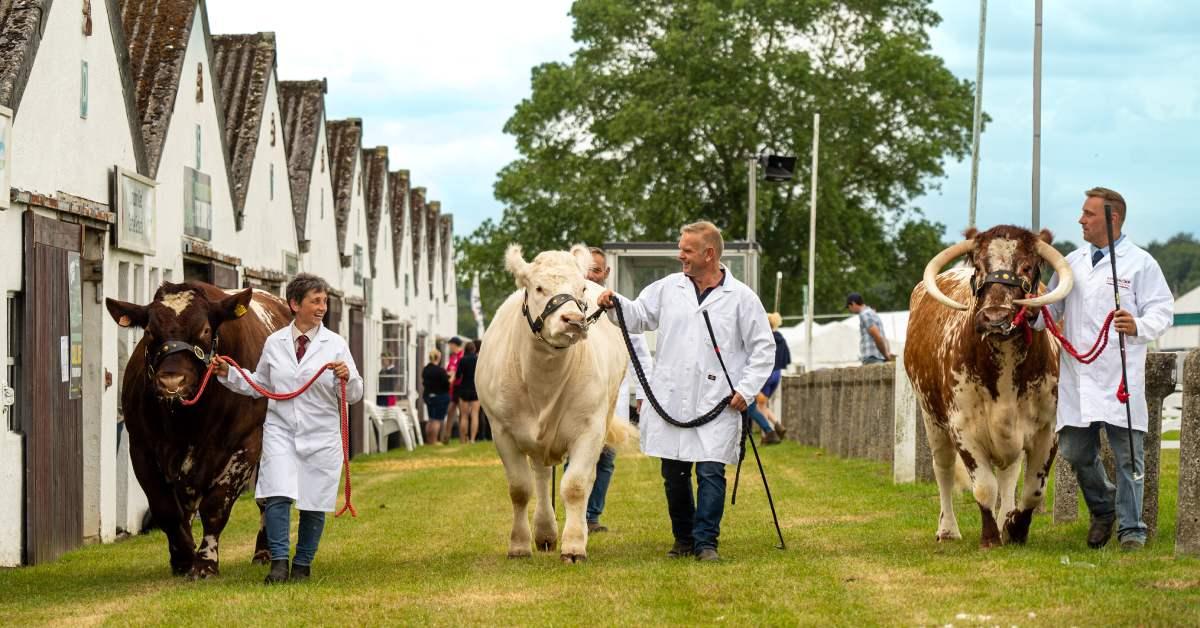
x=1087, y=393
x=549, y=385
x=688, y=379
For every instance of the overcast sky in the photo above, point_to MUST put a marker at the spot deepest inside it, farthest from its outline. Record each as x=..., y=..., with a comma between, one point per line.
x=436, y=81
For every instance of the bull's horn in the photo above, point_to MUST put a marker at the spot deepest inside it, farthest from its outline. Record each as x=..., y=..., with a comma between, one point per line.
x=1065, y=279
x=935, y=265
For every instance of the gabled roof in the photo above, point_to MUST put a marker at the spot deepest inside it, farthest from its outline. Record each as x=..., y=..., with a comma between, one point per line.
x=375, y=170
x=21, y=26
x=302, y=105
x=156, y=34
x=398, y=186
x=345, y=145
x=433, y=210
x=416, y=216
x=242, y=67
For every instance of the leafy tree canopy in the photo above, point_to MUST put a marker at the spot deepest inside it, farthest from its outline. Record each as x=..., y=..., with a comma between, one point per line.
x=650, y=125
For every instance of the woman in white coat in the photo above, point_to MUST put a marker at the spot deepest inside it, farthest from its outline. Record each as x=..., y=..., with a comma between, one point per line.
x=302, y=437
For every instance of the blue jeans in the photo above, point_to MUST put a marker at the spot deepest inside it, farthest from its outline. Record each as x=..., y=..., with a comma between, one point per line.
x=697, y=522
x=604, y=471
x=1080, y=446
x=759, y=418
x=277, y=513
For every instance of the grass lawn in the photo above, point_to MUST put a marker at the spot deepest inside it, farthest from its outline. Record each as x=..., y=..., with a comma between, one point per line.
x=1170, y=435
x=429, y=547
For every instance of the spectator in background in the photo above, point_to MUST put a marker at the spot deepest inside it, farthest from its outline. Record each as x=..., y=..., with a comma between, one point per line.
x=468, y=400
x=436, y=396
x=783, y=357
x=485, y=428
x=455, y=349
x=872, y=345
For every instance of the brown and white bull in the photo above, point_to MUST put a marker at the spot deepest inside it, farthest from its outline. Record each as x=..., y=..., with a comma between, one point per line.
x=195, y=459
x=987, y=395
x=549, y=385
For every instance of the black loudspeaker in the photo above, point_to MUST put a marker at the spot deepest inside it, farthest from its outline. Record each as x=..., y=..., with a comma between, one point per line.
x=777, y=167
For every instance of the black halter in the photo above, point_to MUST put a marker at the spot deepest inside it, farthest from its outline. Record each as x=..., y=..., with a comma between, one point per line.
x=172, y=347
x=555, y=302
x=1002, y=277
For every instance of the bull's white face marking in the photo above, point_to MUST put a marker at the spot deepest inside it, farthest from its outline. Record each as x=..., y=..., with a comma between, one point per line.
x=179, y=301
x=1000, y=253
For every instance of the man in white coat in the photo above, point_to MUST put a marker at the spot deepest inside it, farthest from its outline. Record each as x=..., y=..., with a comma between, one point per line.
x=302, y=437
x=1087, y=393
x=598, y=272
x=688, y=379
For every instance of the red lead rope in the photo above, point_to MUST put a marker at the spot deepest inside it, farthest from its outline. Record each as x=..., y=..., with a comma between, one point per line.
x=212, y=366
x=1084, y=358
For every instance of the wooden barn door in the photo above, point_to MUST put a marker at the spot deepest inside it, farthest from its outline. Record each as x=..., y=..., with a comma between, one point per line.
x=356, y=351
x=53, y=414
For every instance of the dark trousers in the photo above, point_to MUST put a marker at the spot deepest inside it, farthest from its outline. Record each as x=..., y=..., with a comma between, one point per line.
x=696, y=521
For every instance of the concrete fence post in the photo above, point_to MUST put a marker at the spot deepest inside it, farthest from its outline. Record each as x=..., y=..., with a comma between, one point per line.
x=1160, y=382
x=1187, y=531
x=905, y=417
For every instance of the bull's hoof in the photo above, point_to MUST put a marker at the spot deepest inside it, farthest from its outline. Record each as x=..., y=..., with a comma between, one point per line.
x=203, y=572
x=519, y=553
x=947, y=535
x=989, y=543
x=571, y=559
x=545, y=546
x=181, y=570
x=261, y=557
x=1016, y=526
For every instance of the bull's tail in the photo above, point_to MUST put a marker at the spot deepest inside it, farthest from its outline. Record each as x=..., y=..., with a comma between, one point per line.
x=619, y=431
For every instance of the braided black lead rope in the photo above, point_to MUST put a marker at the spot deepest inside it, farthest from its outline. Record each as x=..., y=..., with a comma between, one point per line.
x=703, y=419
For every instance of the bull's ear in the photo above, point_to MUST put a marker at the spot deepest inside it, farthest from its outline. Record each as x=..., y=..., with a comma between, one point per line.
x=970, y=233
x=234, y=305
x=583, y=258
x=516, y=264
x=127, y=314
x=1046, y=236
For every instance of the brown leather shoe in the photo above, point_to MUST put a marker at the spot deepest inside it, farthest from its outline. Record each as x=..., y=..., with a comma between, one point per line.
x=771, y=438
x=595, y=527
x=1101, y=531
x=708, y=555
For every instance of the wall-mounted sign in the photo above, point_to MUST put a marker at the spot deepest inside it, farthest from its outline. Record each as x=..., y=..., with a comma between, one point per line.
x=136, y=210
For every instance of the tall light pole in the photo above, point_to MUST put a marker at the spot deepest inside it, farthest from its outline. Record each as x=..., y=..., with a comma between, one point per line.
x=1037, y=115
x=812, y=241
x=978, y=122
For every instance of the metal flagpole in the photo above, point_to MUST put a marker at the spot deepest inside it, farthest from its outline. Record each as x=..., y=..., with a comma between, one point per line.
x=812, y=241
x=978, y=123
x=1124, y=390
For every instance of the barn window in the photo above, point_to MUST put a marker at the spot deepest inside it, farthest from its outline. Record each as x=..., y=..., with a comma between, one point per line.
x=199, y=84
x=322, y=203
x=272, y=128
x=394, y=360
x=83, y=90
x=271, y=173
x=358, y=265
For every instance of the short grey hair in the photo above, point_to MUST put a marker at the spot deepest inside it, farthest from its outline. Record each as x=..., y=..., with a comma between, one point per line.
x=709, y=232
x=304, y=283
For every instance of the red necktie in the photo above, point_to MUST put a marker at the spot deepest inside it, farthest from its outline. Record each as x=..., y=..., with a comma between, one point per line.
x=301, y=346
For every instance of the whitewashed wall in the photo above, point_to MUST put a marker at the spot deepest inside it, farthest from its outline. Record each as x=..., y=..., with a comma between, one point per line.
x=321, y=228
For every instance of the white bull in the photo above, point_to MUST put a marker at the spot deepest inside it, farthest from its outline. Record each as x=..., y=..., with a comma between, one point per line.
x=549, y=386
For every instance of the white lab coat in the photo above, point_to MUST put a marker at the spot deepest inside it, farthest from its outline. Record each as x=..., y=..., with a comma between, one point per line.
x=302, y=437
x=643, y=355
x=687, y=378
x=1088, y=393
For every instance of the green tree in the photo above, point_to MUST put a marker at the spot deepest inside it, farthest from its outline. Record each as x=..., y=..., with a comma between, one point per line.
x=649, y=126
x=1179, y=258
